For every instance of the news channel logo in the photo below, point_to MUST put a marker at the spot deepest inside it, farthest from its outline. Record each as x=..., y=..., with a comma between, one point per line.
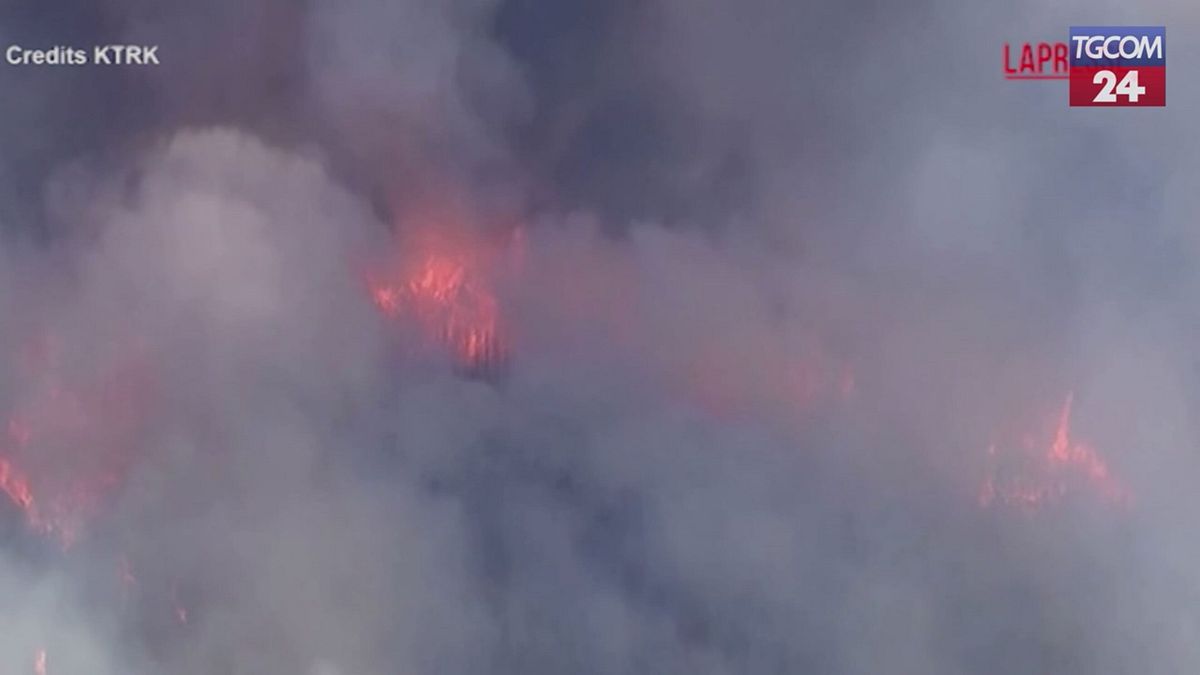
x=1106, y=66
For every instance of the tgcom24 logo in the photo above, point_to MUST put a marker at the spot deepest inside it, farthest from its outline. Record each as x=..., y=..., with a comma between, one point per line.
x=1104, y=65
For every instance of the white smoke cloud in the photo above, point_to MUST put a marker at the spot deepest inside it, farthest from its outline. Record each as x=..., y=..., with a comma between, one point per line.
x=755, y=449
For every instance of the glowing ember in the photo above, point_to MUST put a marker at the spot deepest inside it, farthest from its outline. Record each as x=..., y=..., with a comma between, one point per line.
x=445, y=290
x=1039, y=475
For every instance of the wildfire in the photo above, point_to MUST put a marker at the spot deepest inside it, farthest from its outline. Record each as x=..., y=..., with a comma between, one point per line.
x=39, y=662
x=16, y=485
x=1041, y=474
x=47, y=520
x=63, y=447
x=443, y=286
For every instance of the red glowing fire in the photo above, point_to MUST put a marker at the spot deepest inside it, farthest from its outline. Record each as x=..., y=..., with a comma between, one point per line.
x=1037, y=474
x=443, y=285
x=67, y=440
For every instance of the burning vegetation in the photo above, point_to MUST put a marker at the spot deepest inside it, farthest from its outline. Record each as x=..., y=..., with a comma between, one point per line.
x=71, y=432
x=69, y=439
x=1037, y=472
x=444, y=286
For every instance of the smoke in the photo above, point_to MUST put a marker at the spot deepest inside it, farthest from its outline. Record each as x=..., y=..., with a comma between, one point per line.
x=773, y=279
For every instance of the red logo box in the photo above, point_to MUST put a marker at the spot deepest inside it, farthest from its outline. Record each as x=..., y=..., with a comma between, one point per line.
x=1117, y=86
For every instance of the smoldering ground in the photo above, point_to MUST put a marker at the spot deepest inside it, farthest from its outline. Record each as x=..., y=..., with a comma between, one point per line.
x=786, y=272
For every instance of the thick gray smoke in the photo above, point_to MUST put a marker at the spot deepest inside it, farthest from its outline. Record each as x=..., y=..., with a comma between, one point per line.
x=772, y=278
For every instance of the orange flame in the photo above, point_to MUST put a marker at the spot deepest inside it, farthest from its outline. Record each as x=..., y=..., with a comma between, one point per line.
x=15, y=484
x=1034, y=478
x=444, y=287
x=64, y=448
